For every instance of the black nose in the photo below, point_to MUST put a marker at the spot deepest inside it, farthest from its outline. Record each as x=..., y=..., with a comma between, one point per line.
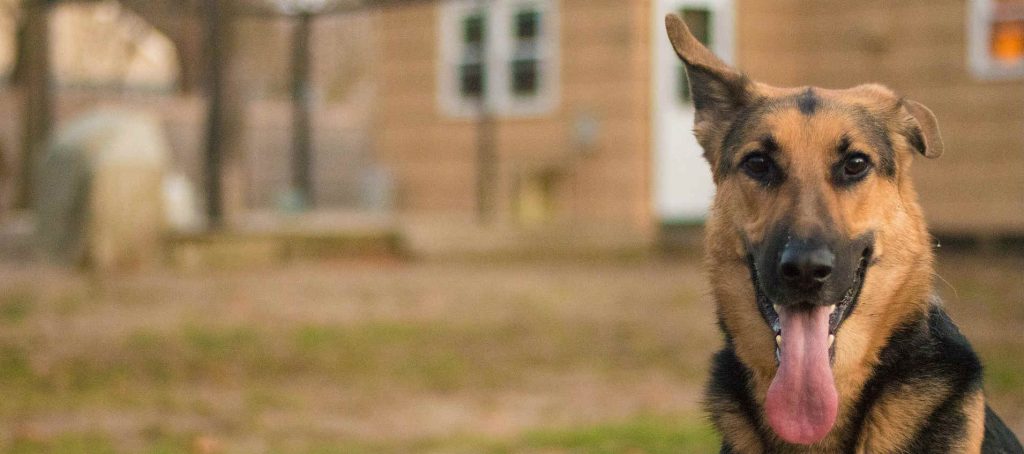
x=805, y=265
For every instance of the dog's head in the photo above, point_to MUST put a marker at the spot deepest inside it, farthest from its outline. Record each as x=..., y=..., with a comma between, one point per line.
x=813, y=190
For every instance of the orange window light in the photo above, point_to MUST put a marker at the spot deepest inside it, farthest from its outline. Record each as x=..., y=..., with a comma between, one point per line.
x=1007, y=41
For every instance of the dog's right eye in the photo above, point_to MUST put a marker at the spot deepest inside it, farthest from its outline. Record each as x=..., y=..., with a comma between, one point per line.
x=759, y=167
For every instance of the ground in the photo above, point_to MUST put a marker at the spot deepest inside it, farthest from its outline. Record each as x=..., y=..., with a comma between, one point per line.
x=382, y=356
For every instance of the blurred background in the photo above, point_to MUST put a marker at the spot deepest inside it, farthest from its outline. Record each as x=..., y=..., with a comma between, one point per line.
x=448, y=226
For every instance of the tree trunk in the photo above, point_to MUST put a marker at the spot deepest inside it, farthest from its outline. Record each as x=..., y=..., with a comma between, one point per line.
x=224, y=174
x=188, y=43
x=36, y=95
x=214, y=31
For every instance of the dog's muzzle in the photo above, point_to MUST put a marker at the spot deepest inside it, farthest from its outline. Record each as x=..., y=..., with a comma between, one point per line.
x=808, y=273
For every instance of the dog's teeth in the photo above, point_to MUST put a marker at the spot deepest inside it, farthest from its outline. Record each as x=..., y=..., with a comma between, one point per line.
x=776, y=307
x=831, y=339
x=831, y=309
x=778, y=339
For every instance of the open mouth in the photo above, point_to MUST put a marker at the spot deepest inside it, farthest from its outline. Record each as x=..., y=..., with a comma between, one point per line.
x=802, y=402
x=838, y=311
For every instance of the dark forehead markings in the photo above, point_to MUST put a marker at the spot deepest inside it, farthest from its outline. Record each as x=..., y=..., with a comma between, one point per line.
x=768, y=143
x=877, y=135
x=807, y=102
x=739, y=129
x=844, y=144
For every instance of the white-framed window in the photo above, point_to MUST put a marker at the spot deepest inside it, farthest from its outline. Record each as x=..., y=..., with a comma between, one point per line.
x=502, y=54
x=995, y=31
x=699, y=19
x=711, y=22
x=682, y=186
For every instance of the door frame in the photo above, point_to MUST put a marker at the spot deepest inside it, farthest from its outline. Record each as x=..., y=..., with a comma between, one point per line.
x=681, y=184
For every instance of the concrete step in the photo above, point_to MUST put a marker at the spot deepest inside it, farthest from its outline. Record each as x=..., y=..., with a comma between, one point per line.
x=263, y=239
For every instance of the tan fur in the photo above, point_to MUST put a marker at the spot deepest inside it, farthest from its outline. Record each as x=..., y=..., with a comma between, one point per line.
x=897, y=289
x=899, y=281
x=743, y=438
x=974, y=408
x=894, y=419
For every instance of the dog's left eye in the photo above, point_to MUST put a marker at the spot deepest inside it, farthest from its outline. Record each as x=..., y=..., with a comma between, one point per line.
x=757, y=165
x=761, y=168
x=851, y=170
x=856, y=165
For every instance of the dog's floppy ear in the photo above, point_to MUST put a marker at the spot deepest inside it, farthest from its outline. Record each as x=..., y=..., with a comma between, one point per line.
x=718, y=90
x=924, y=130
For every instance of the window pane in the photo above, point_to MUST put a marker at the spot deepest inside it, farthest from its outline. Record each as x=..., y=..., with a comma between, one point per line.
x=1007, y=42
x=524, y=77
x=471, y=80
x=527, y=24
x=699, y=22
x=471, y=71
x=473, y=30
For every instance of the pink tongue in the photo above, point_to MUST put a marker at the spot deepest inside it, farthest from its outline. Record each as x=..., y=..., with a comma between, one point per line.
x=802, y=401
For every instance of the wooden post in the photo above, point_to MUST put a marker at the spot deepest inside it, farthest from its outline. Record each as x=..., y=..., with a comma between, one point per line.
x=486, y=154
x=302, y=159
x=36, y=94
x=487, y=162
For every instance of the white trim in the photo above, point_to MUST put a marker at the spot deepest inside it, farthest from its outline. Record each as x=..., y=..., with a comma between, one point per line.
x=499, y=16
x=979, y=30
x=681, y=184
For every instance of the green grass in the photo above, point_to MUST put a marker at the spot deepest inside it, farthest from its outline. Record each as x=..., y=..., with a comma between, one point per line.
x=505, y=358
x=1004, y=372
x=643, y=435
x=65, y=444
x=15, y=306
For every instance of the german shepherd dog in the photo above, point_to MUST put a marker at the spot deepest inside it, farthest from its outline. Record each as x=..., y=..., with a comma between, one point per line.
x=821, y=269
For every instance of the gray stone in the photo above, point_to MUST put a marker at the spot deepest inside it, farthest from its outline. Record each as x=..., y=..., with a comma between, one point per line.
x=99, y=192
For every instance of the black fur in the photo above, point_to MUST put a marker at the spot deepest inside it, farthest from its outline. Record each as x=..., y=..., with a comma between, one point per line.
x=998, y=438
x=922, y=352
x=730, y=382
x=735, y=137
x=844, y=145
x=929, y=350
x=878, y=135
x=807, y=102
x=916, y=138
x=716, y=93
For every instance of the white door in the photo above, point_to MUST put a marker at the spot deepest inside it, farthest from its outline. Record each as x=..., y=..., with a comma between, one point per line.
x=682, y=179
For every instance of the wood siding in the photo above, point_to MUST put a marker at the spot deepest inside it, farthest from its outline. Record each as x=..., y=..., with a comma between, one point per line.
x=918, y=48
x=604, y=72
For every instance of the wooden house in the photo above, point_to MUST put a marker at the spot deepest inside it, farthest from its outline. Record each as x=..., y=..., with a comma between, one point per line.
x=574, y=116
x=576, y=112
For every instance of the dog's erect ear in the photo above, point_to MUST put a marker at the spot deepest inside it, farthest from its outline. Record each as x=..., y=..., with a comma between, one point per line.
x=924, y=132
x=718, y=90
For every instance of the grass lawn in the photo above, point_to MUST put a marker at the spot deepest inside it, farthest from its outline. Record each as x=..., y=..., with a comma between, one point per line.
x=393, y=357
